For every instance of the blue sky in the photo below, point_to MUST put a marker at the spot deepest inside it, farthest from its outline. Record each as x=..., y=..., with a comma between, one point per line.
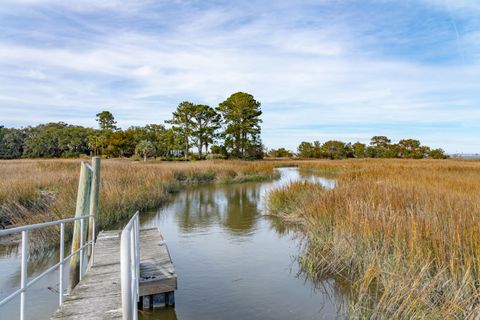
x=322, y=70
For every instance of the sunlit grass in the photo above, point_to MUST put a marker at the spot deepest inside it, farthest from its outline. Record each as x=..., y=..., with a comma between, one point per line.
x=34, y=191
x=406, y=234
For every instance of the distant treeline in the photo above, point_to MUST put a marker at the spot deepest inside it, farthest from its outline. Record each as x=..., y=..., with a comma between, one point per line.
x=230, y=130
x=379, y=147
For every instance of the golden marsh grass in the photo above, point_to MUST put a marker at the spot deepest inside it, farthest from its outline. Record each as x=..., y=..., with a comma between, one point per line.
x=34, y=191
x=405, y=234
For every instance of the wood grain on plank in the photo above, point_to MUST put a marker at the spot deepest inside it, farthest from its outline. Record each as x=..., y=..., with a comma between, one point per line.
x=98, y=295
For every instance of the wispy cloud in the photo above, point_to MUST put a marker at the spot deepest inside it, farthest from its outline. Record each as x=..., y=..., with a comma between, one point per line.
x=381, y=67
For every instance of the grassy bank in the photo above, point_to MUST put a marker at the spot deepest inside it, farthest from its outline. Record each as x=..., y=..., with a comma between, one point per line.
x=33, y=191
x=405, y=234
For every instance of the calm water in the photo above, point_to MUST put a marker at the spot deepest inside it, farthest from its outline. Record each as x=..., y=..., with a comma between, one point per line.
x=42, y=297
x=232, y=261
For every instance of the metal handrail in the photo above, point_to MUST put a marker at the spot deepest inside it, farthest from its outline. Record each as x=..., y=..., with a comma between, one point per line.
x=25, y=284
x=130, y=268
x=5, y=232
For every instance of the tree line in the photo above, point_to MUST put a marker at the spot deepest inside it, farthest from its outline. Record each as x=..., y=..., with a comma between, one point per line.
x=232, y=129
x=379, y=147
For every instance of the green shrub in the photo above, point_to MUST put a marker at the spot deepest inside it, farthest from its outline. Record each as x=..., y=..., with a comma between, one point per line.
x=215, y=156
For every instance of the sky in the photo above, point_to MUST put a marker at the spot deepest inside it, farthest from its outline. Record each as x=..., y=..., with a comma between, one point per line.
x=323, y=70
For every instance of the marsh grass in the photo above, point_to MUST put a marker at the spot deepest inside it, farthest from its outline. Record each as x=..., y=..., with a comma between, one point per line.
x=33, y=191
x=405, y=234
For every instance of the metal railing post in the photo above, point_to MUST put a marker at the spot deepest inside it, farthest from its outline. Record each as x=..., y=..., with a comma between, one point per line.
x=137, y=252
x=62, y=257
x=130, y=268
x=133, y=272
x=24, y=273
x=125, y=269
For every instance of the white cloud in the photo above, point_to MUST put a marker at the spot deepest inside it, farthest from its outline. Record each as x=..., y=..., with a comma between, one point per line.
x=84, y=5
x=304, y=75
x=457, y=5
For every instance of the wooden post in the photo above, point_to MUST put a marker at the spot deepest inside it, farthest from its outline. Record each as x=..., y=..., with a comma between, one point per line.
x=94, y=199
x=82, y=208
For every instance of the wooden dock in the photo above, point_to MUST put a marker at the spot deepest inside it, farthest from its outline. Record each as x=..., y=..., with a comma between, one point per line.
x=98, y=295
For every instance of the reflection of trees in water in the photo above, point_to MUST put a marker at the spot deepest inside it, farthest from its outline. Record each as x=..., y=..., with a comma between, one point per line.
x=233, y=207
x=197, y=208
x=241, y=208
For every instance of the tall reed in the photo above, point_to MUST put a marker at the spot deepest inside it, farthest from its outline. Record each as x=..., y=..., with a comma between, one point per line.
x=34, y=191
x=405, y=234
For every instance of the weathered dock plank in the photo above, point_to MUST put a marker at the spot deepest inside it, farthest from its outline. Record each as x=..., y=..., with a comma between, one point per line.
x=157, y=274
x=98, y=295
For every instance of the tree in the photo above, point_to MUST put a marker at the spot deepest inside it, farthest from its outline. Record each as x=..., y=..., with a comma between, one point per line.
x=219, y=150
x=118, y=144
x=57, y=139
x=174, y=143
x=11, y=143
x=241, y=118
x=133, y=135
x=145, y=148
x=359, y=150
x=280, y=153
x=157, y=134
x=73, y=140
x=334, y=150
x=380, y=147
x=205, y=121
x=437, y=154
x=348, y=148
x=123, y=143
x=182, y=123
x=42, y=141
x=255, y=151
x=106, y=121
x=410, y=148
x=305, y=150
x=97, y=141
x=317, y=149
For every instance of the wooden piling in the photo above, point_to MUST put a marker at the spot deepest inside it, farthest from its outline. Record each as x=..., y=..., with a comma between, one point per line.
x=82, y=209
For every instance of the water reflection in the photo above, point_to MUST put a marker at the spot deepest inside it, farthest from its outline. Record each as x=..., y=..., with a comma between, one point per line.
x=240, y=208
x=234, y=262
x=326, y=179
x=42, y=297
x=9, y=250
x=233, y=207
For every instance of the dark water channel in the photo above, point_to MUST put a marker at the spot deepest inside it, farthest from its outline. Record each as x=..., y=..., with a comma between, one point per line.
x=232, y=261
